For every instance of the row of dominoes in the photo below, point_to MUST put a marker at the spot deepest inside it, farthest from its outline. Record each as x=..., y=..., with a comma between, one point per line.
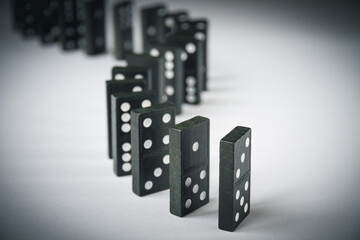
x=74, y=23
x=160, y=155
x=143, y=99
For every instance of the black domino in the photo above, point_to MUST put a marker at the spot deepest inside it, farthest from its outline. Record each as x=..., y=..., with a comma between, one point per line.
x=150, y=148
x=121, y=106
x=123, y=28
x=194, y=65
x=25, y=17
x=234, y=187
x=157, y=67
x=173, y=74
x=189, y=165
x=95, y=41
x=71, y=22
x=152, y=22
x=48, y=13
x=116, y=86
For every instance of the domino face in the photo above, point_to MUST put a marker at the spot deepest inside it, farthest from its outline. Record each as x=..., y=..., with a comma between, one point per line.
x=152, y=19
x=121, y=106
x=48, y=11
x=95, y=42
x=123, y=29
x=173, y=20
x=173, y=74
x=150, y=148
x=189, y=165
x=234, y=187
x=116, y=86
x=193, y=57
x=157, y=67
x=197, y=28
x=25, y=17
x=71, y=16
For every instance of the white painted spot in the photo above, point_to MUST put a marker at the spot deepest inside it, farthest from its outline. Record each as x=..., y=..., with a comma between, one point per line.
x=237, y=216
x=125, y=106
x=137, y=89
x=169, y=74
x=161, y=11
x=119, y=76
x=202, y=195
x=169, y=56
x=147, y=144
x=237, y=195
x=126, y=147
x=139, y=76
x=166, y=118
x=199, y=36
x=146, y=103
x=126, y=157
x=201, y=26
x=169, y=65
x=191, y=90
x=195, y=188
x=154, y=52
x=246, y=185
x=148, y=185
x=238, y=173
x=190, y=48
x=166, y=159
x=151, y=31
x=126, y=127
x=169, y=22
x=188, y=182
x=185, y=26
x=242, y=201
x=125, y=117
x=191, y=98
x=126, y=167
x=147, y=122
x=246, y=207
x=195, y=146
x=202, y=174
x=188, y=203
x=183, y=56
x=166, y=139
x=169, y=90
x=247, y=142
x=242, y=157
x=157, y=172
x=190, y=81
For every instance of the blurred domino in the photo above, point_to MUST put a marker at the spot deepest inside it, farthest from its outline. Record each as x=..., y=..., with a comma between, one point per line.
x=123, y=25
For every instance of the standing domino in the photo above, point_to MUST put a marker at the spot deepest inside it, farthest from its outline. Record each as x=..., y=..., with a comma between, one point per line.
x=189, y=165
x=234, y=187
x=150, y=148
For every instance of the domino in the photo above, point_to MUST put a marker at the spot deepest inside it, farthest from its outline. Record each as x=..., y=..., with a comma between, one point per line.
x=25, y=17
x=193, y=57
x=122, y=73
x=121, y=106
x=234, y=186
x=48, y=11
x=123, y=25
x=157, y=67
x=150, y=148
x=189, y=165
x=152, y=18
x=174, y=72
x=198, y=28
x=172, y=21
x=71, y=22
x=95, y=42
x=116, y=86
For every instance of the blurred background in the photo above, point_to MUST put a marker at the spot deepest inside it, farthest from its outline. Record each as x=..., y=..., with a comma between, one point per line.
x=290, y=70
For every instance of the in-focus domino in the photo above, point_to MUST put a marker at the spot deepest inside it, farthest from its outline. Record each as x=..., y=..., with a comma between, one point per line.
x=189, y=165
x=121, y=106
x=234, y=187
x=150, y=148
x=117, y=86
